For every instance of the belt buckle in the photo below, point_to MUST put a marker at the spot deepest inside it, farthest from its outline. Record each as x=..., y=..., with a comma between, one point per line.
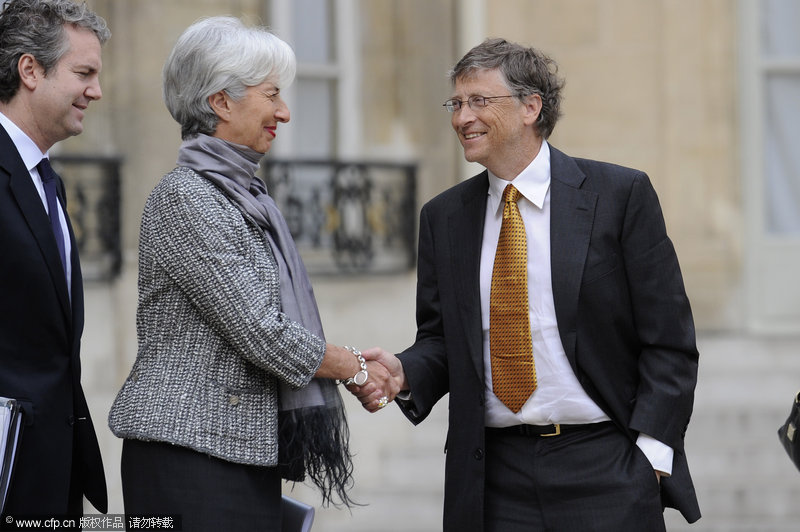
x=556, y=433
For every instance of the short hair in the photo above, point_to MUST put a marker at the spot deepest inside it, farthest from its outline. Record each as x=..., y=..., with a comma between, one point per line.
x=216, y=54
x=36, y=27
x=525, y=71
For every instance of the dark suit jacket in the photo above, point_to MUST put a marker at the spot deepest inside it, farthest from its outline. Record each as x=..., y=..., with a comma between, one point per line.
x=40, y=333
x=622, y=311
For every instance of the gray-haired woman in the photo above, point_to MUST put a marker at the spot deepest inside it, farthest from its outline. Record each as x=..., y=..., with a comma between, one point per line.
x=232, y=387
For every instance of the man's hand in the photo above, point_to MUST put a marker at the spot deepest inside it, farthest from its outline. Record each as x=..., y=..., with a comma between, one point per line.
x=386, y=380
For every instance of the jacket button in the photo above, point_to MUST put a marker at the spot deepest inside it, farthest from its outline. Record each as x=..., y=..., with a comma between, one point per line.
x=478, y=454
x=233, y=400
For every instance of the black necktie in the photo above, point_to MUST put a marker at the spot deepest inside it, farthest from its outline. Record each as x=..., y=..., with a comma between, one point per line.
x=49, y=180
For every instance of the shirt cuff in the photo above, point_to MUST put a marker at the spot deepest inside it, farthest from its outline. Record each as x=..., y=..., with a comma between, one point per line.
x=659, y=454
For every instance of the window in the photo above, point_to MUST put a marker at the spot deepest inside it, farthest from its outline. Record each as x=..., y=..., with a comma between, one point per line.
x=780, y=67
x=324, y=99
x=769, y=114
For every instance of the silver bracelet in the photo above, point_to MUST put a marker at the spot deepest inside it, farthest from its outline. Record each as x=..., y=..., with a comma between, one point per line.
x=360, y=378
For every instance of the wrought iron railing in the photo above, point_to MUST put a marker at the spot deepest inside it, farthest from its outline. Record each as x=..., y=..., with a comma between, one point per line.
x=93, y=202
x=347, y=217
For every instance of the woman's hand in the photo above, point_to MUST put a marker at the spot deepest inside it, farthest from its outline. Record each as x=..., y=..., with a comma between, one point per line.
x=386, y=380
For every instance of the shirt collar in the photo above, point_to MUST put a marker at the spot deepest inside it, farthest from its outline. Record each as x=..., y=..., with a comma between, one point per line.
x=28, y=150
x=532, y=182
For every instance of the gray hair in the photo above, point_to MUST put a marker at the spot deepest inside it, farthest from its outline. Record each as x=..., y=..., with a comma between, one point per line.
x=36, y=27
x=220, y=54
x=526, y=71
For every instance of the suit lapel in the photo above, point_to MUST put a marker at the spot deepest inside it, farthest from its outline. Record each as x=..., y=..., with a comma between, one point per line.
x=465, y=227
x=571, y=217
x=30, y=204
x=572, y=212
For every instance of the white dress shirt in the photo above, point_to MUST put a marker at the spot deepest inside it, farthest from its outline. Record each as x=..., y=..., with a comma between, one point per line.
x=31, y=155
x=559, y=397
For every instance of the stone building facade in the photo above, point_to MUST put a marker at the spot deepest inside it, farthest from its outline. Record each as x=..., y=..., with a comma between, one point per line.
x=677, y=88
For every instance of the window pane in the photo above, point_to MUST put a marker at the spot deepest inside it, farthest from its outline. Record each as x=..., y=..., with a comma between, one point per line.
x=312, y=35
x=781, y=20
x=313, y=119
x=782, y=159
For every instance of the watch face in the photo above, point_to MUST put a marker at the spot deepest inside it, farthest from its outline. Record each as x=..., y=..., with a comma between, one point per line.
x=361, y=377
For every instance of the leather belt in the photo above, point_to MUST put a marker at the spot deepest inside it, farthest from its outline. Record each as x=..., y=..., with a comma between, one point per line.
x=543, y=431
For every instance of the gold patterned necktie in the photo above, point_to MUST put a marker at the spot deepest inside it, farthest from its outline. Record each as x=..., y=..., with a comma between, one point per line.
x=510, y=347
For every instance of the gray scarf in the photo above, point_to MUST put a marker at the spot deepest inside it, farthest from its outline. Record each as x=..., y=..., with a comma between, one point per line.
x=313, y=431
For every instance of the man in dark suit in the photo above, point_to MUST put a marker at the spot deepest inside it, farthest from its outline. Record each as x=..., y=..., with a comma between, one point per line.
x=49, y=66
x=593, y=439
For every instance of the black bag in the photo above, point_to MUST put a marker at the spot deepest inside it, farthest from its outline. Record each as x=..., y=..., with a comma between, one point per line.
x=787, y=434
x=297, y=516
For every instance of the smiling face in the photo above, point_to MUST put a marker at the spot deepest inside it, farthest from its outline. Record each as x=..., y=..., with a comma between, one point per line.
x=501, y=135
x=59, y=100
x=253, y=120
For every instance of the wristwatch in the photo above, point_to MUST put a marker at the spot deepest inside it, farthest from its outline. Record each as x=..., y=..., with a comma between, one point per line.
x=360, y=378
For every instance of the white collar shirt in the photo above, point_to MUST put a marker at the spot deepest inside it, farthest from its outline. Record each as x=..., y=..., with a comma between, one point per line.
x=559, y=397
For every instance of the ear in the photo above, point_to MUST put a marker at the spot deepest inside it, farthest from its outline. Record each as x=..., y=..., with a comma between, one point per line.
x=30, y=71
x=533, y=107
x=220, y=103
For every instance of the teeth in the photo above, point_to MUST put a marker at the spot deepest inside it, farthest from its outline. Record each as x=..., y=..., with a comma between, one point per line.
x=472, y=135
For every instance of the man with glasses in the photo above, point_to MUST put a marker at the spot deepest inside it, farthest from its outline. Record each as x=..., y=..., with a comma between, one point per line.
x=551, y=307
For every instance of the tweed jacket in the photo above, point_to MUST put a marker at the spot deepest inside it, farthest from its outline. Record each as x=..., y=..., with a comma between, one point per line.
x=213, y=342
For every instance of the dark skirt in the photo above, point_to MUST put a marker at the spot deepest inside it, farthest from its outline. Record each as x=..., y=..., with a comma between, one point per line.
x=206, y=493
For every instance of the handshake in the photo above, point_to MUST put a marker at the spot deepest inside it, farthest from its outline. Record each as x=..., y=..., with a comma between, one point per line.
x=386, y=380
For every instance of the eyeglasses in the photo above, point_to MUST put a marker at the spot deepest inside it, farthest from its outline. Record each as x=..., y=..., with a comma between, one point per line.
x=475, y=102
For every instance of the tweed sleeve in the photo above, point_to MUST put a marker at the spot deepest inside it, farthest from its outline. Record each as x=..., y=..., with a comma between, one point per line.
x=220, y=261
